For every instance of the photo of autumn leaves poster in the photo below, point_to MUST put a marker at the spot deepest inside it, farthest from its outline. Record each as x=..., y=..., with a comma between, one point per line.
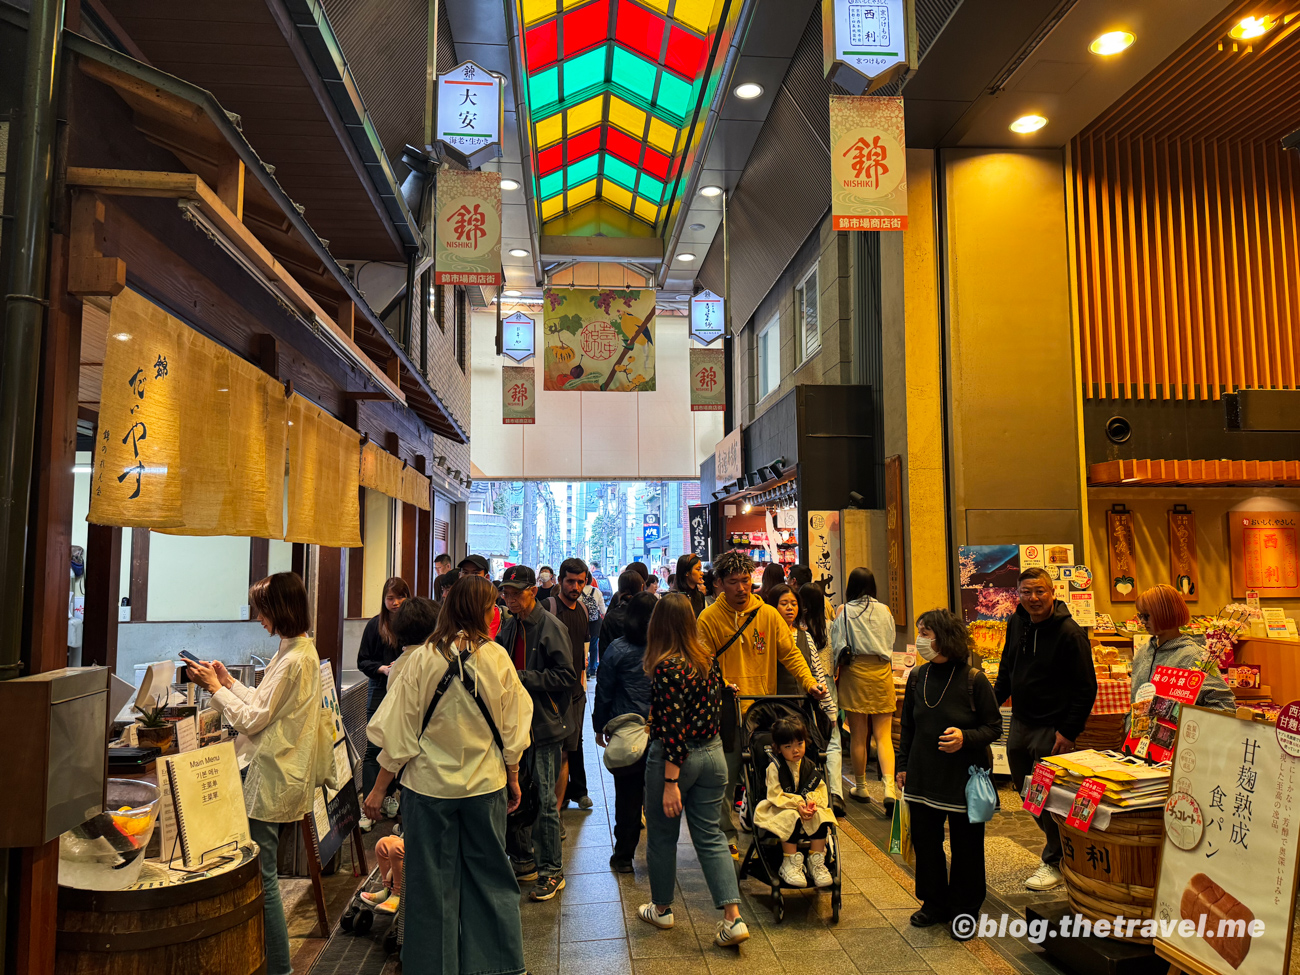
x=598, y=339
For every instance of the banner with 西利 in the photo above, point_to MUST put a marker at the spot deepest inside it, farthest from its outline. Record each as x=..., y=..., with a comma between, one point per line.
x=598, y=340
x=467, y=228
x=324, y=478
x=518, y=394
x=868, y=163
x=708, y=391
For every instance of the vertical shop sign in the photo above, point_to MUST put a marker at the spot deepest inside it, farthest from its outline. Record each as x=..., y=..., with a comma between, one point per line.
x=1265, y=553
x=706, y=318
x=894, y=535
x=876, y=39
x=518, y=335
x=868, y=163
x=467, y=247
x=708, y=392
x=700, y=531
x=471, y=114
x=1123, y=565
x=824, y=549
x=599, y=340
x=728, y=459
x=518, y=394
x=1182, y=552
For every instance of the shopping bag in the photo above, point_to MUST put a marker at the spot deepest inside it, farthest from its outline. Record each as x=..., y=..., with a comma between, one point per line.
x=900, y=830
x=981, y=798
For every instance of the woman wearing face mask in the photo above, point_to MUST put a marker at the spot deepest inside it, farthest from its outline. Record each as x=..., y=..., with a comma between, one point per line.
x=949, y=720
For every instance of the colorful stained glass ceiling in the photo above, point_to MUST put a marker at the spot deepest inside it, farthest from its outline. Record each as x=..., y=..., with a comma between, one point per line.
x=611, y=87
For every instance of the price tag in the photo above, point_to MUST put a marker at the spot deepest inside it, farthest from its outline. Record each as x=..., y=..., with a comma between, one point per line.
x=1039, y=786
x=1143, y=746
x=1085, y=804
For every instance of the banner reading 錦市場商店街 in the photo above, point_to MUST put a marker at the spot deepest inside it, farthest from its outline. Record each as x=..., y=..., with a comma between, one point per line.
x=708, y=391
x=518, y=394
x=467, y=228
x=598, y=339
x=868, y=163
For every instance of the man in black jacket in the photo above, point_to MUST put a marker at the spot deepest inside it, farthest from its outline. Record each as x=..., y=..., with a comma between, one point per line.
x=540, y=648
x=1046, y=670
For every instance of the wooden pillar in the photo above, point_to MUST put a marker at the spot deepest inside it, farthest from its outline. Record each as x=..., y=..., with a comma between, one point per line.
x=103, y=589
x=298, y=561
x=357, y=566
x=139, y=575
x=410, y=544
x=259, y=559
x=329, y=607
x=424, y=541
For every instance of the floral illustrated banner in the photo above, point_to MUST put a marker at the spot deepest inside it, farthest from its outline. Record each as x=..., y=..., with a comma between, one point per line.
x=600, y=340
x=868, y=163
x=468, y=228
x=708, y=391
x=518, y=394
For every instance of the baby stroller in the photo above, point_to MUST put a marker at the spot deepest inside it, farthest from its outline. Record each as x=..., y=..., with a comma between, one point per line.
x=359, y=917
x=763, y=858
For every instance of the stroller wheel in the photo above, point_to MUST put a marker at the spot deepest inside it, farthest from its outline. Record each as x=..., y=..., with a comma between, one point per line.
x=390, y=941
x=835, y=906
x=349, y=916
x=778, y=905
x=364, y=921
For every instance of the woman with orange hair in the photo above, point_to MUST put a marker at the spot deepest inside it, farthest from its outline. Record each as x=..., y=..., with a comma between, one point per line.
x=1162, y=610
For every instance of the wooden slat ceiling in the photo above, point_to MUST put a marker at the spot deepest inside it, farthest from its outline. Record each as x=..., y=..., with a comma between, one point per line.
x=236, y=50
x=1195, y=473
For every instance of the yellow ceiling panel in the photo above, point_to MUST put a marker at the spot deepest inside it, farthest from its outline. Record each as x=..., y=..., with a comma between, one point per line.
x=582, y=194
x=647, y=211
x=626, y=117
x=549, y=131
x=662, y=136
x=695, y=14
x=535, y=10
x=616, y=195
x=553, y=207
x=583, y=116
x=660, y=5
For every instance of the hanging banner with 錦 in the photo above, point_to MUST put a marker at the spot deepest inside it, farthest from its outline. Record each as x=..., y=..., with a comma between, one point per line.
x=600, y=340
x=868, y=163
x=468, y=228
x=708, y=391
x=518, y=394
x=324, y=478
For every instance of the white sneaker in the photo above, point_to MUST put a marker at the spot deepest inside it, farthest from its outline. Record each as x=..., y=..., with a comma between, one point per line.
x=817, y=864
x=731, y=934
x=365, y=824
x=1046, y=877
x=391, y=806
x=377, y=898
x=791, y=871
x=859, y=792
x=649, y=914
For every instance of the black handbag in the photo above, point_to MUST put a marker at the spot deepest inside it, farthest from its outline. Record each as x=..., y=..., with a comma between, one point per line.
x=729, y=721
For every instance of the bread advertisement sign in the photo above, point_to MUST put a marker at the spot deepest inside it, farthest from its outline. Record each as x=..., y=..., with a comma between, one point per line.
x=1226, y=889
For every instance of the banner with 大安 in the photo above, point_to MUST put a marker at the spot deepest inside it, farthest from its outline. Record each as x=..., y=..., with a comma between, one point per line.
x=518, y=394
x=599, y=340
x=467, y=228
x=868, y=163
x=708, y=391
x=324, y=478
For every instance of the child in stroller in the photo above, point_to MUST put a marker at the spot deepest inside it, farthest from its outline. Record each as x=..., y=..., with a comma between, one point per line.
x=796, y=806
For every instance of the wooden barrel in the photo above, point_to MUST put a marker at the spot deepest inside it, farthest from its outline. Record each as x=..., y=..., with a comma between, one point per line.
x=211, y=926
x=1103, y=732
x=1112, y=872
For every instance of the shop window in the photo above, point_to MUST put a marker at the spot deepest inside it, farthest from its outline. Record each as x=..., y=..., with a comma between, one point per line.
x=769, y=357
x=807, y=320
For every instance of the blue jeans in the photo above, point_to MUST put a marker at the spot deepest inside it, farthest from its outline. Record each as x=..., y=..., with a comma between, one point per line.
x=835, y=751
x=701, y=781
x=461, y=896
x=541, y=841
x=267, y=838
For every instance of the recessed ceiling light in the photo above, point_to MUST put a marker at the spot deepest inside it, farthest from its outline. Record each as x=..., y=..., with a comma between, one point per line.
x=518, y=252
x=1112, y=42
x=682, y=297
x=1248, y=28
x=122, y=336
x=749, y=90
x=1028, y=123
x=696, y=226
x=710, y=190
x=512, y=293
x=509, y=184
x=686, y=257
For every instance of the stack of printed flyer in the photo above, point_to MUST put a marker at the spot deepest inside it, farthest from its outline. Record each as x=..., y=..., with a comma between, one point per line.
x=1130, y=782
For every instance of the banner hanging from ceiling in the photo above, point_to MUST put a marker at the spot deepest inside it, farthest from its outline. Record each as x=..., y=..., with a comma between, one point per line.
x=599, y=340
x=324, y=478
x=707, y=320
x=708, y=391
x=518, y=394
x=868, y=163
x=467, y=230
x=517, y=337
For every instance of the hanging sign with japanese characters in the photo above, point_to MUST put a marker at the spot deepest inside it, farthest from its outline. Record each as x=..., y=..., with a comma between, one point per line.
x=868, y=163
x=518, y=337
x=824, y=552
x=1183, y=574
x=518, y=394
x=1265, y=553
x=468, y=228
x=471, y=113
x=874, y=38
x=708, y=391
x=707, y=319
x=599, y=340
x=700, y=530
x=1227, y=883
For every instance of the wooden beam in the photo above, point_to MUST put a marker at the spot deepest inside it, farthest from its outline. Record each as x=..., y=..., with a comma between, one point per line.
x=259, y=559
x=230, y=187
x=139, y=575
x=103, y=589
x=89, y=271
x=369, y=395
x=347, y=318
x=424, y=541
x=329, y=607
x=357, y=567
x=410, y=544
x=298, y=560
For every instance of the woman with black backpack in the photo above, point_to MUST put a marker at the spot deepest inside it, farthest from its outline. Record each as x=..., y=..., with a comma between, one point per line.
x=950, y=719
x=455, y=722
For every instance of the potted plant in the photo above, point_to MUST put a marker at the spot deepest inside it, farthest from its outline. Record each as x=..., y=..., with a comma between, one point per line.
x=154, y=731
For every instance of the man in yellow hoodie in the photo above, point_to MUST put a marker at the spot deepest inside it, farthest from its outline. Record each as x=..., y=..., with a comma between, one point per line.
x=749, y=662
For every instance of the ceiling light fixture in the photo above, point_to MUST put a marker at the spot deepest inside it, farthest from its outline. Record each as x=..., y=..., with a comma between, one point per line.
x=512, y=293
x=686, y=257
x=1028, y=123
x=749, y=89
x=122, y=336
x=696, y=227
x=518, y=252
x=1112, y=42
x=682, y=297
x=1248, y=28
x=710, y=191
x=509, y=184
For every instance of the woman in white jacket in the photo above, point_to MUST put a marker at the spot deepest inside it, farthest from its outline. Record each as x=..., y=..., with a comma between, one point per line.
x=277, y=723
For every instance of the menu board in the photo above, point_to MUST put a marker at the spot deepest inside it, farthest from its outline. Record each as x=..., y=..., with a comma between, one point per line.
x=1227, y=881
x=335, y=814
x=1265, y=553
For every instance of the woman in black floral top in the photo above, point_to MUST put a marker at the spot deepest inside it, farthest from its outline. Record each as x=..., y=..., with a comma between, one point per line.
x=685, y=768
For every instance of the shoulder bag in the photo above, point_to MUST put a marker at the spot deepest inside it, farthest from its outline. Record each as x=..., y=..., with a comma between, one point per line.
x=730, y=718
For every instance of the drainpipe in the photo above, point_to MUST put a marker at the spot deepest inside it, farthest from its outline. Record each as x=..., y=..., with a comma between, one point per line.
x=728, y=340
x=24, y=320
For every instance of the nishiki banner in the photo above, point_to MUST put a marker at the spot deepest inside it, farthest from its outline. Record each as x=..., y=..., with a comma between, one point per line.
x=708, y=391
x=518, y=394
x=468, y=228
x=868, y=163
x=600, y=340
